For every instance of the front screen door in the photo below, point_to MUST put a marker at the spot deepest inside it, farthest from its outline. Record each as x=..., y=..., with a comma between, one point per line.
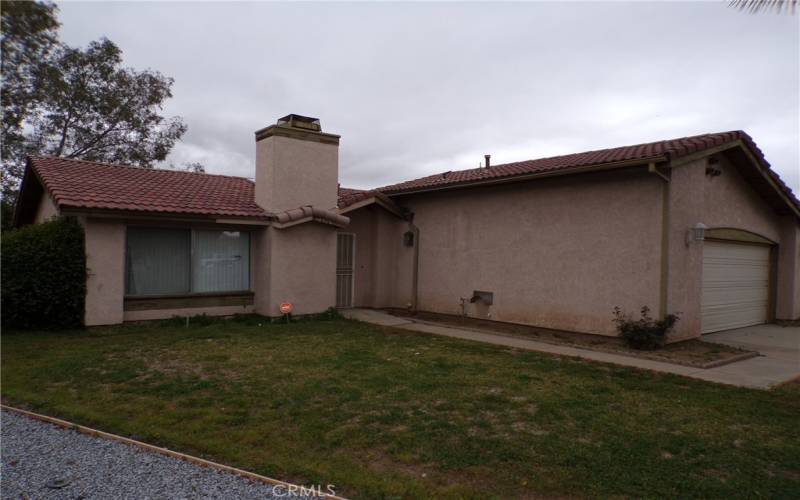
x=345, y=262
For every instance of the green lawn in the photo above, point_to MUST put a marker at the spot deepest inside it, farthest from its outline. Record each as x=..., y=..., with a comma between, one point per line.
x=385, y=413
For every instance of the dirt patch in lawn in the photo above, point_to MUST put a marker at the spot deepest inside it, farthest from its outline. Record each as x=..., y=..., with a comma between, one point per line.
x=696, y=353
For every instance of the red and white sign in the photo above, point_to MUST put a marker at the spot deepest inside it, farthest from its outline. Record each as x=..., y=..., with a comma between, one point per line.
x=286, y=307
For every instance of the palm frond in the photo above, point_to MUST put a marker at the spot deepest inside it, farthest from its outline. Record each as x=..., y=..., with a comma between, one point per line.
x=756, y=6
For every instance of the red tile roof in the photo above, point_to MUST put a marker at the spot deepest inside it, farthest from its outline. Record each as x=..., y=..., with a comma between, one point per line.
x=348, y=196
x=666, y=150
x=85, y=184
x=91, y=185
x=307, y=212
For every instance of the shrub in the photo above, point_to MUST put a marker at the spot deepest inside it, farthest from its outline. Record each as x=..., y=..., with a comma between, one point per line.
x=644, y=333
x=43, y=281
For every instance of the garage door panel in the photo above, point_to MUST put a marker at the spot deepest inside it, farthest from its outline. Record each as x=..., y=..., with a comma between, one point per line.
x=735, y=285
x=735, y=295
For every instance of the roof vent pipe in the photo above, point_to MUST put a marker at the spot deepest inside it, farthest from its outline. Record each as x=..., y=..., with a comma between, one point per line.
x=488, y=159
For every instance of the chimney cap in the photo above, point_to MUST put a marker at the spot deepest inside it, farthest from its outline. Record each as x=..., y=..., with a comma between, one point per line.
x=301, y=127
x=300, y=121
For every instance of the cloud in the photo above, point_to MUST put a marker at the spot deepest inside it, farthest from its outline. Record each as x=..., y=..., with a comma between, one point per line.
x=419, y=88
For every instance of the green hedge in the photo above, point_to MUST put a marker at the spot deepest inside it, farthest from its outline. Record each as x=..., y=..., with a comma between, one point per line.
x=44, y=275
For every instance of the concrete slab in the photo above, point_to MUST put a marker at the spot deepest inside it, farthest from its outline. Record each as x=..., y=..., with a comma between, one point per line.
x=762, y=372
x=781, y=342
x=372, y=316
x=780, y=360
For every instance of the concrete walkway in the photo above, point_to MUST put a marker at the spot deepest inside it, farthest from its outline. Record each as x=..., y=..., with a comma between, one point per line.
x=759, y=373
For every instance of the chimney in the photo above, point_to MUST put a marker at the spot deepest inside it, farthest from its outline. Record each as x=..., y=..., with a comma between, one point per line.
x=488, y=162
x=296, y=165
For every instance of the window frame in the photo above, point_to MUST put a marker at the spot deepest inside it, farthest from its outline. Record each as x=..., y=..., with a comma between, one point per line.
x=191, y=229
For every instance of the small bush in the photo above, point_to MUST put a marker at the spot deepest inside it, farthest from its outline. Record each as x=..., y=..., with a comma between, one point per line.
x=644, y=333
x=44, y=275
x=328, y=314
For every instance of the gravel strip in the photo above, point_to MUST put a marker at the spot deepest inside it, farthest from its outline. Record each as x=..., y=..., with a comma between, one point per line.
x=41, y=460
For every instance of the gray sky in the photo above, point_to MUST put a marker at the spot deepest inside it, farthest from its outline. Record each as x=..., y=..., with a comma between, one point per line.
x=415, y=89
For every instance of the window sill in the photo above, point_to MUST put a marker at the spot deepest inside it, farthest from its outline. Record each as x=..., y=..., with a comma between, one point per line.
x=186, y=301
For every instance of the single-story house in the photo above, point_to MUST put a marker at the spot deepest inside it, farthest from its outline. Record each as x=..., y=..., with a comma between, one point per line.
x=698, y=225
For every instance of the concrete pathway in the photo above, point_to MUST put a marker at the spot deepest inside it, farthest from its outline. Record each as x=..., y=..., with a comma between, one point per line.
x=760, y=373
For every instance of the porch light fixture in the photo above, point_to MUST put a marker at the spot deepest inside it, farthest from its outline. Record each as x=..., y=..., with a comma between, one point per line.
x=696, y=233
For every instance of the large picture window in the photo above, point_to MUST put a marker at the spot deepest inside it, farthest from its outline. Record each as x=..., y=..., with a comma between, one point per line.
x=181, y=261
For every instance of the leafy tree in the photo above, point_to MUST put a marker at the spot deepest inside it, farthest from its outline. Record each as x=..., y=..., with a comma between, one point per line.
x=92, y=108
x=73, y=102
x=189, y=166
x=29, y=36
x=194, y=166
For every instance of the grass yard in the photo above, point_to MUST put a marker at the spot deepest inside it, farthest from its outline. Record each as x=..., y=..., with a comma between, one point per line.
x=384, y=413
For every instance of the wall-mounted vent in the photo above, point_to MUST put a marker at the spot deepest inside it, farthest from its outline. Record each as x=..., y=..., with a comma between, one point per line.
x=482, y=297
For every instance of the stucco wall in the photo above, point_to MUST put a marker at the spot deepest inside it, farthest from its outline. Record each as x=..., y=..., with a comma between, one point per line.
x=302, y=269
x=788, y=286
x=105, y=265
x=362, y=224
x=729, y=201
x=557, y=253
x=46, y=209
x=383, y=264
x=795, y=314
x=685, y=262
x=293, y=172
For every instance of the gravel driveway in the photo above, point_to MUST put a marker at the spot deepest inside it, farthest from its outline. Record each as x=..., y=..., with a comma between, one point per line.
x=41, y=460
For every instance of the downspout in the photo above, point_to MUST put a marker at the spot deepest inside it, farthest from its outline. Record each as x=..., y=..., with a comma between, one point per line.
x=415, y=265
x=665, y=226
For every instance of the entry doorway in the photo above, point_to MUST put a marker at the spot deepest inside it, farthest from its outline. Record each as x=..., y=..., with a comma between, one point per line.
x=345, y=263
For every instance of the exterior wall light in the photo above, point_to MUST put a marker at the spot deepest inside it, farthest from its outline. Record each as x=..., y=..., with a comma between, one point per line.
x=696, y=233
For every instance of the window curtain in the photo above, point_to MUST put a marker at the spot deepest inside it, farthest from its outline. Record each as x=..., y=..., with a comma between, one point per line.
x=158, y=261
x=220, y=261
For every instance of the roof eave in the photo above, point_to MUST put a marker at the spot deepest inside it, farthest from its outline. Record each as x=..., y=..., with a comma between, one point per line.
x=764, y=171
x=382, y=201
x=109, y=213
x=598, y=167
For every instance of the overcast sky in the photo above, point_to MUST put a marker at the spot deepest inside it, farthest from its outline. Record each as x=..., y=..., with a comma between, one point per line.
x=416, y=89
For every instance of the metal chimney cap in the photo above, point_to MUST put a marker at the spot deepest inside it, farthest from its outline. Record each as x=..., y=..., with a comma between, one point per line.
x=300, y=121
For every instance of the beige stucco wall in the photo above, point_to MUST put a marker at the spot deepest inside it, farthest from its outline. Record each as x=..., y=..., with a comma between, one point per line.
x=383, y=265
x=362, y=224
x=684, y=277
x=105, y=266
x=794, y=313
x=293, y=172
x=46, y=209
x=725, y=201
x=558, y=253
x=788, y=285
x=296, y=265
x=729, y=201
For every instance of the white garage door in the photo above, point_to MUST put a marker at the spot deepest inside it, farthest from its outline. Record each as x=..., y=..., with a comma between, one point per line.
x=735, y=285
